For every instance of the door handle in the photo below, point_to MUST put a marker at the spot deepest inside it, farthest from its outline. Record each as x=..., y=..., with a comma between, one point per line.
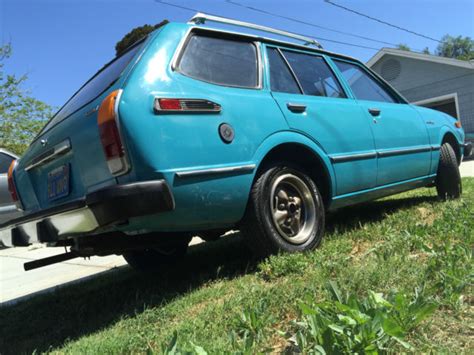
x=374, y=111
x=297, y=108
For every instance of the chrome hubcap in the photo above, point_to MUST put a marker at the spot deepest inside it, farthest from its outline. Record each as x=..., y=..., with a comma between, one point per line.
x=293, y=208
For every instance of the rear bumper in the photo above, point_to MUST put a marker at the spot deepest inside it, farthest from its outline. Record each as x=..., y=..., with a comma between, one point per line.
x=99, y=209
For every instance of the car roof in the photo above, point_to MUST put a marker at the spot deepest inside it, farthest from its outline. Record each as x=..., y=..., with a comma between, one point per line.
x=8, y=153
x=265, y=39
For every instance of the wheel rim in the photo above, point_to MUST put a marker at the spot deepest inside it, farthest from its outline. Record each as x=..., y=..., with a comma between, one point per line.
x=293, y=208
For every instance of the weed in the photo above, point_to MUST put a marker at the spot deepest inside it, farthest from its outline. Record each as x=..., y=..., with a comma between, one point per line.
x=346, y=324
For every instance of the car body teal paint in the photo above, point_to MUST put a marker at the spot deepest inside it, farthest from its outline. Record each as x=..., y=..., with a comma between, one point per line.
x=365, y=157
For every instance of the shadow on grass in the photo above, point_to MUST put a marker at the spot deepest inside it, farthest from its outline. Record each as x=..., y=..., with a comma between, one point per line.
x=45, y=322
x=350, y=218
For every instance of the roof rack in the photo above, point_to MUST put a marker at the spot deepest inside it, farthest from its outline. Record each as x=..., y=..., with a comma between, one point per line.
x=201, y=18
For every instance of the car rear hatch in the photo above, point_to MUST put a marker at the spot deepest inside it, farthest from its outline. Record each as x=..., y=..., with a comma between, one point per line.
x=66, y=160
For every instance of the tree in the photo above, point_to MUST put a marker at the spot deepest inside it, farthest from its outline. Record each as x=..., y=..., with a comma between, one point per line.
x=426, y=51
x=403, y=47
x=134, y=35
x=456, y=47
x=21, y=116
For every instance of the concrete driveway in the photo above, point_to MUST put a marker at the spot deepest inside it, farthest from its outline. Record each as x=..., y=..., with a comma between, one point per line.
x=16, y=284
x=467, y=168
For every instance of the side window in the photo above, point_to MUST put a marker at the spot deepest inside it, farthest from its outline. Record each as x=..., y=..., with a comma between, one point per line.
x=281, y=79
x=5, y=161
x=314, y=75
x=220, y=61
x=362, y=84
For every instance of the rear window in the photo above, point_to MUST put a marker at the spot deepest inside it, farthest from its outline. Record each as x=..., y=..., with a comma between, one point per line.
x=100, y=82
x=220, y=61
x=5, y=161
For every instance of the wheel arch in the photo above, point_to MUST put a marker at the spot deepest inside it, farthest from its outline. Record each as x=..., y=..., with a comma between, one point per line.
x=450, y=138
x=297, y=148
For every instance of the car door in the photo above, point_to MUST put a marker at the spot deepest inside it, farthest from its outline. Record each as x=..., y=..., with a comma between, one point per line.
x=401, y=137
x=315, y=104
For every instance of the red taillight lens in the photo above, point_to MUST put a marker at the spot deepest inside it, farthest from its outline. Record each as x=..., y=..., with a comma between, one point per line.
x=11, y=182
x=458, y=124
x=110, y=135
x=170, y=104
x=183, y=105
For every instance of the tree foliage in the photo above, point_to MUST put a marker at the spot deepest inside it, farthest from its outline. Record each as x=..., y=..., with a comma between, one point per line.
x=21, y=116
x=134, y=35
x=456, y=47
x=403, y=47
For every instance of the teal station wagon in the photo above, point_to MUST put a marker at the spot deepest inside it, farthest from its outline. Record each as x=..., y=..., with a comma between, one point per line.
x=197, y=130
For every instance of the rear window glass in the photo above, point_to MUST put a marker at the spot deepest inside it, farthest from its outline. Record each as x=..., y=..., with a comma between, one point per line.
x=105, y=78
x=5, y=161
x=314, y=75
x=220, y=61
x=281, y=79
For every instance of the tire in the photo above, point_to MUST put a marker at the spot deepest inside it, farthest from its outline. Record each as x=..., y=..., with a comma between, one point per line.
x=448, y=178
x=149, y=260
x=285, y=212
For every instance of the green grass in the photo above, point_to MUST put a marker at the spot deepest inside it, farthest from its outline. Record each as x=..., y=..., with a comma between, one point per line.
x=394, y=274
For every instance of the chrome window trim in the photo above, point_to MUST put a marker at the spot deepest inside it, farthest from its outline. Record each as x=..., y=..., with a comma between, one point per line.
x=191, y=32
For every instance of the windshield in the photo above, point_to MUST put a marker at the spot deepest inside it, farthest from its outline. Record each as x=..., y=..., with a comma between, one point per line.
x=100, y=82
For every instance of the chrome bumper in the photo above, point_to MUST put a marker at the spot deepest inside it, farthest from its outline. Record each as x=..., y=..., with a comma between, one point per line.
x=100, y=209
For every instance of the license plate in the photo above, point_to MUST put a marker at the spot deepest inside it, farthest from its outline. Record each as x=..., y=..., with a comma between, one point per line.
x=58, y=182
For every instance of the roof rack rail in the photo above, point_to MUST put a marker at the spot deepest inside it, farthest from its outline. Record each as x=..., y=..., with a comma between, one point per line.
x=201, y=18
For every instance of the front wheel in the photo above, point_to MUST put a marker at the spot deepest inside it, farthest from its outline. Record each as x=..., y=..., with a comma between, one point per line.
x=285, y=212
x=448, y=178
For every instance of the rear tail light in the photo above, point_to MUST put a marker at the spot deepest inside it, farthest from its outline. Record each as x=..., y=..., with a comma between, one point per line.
x=167, y=105
x=11, y=182
x=458, y=124
x=107, y=121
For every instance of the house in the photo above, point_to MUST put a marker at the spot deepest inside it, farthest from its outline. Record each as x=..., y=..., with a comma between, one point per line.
x=444, y=84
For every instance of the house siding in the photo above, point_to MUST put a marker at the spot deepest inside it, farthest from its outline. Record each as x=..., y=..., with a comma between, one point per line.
x=420, y=80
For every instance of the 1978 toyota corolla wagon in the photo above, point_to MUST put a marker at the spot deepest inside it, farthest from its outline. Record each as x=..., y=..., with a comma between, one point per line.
x=197, y=130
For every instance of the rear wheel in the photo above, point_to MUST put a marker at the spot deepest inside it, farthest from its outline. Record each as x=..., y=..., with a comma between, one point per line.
x=448, y=179
x=285, y=212
x=152, y=259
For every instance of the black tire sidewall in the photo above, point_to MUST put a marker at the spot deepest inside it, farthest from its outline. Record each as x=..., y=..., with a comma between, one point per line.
x=448, y=178
x=262, y=208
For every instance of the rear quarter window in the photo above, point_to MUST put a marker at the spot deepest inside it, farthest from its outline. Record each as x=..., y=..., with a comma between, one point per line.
x=220, y=61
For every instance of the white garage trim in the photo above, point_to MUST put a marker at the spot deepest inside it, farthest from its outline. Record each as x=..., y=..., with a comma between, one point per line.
x=441, y=98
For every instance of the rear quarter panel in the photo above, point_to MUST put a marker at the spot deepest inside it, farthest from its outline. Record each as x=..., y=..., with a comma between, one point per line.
x=161, y=145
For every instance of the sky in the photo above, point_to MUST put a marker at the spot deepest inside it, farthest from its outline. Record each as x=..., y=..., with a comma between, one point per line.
x=60, y=44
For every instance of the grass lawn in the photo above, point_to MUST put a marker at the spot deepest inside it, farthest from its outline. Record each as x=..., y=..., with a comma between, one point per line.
x=394, y=274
